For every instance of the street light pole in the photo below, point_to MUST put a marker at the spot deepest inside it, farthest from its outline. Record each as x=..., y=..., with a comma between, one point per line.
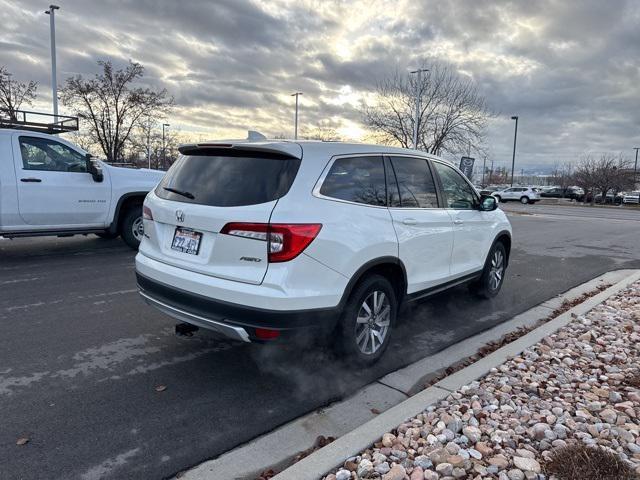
x=418, y=105
x=164, y=151
x=484, y=167
x=515, y=137
x=54, y=81
x=295, y=128
x=635, y=168
x=491, y=172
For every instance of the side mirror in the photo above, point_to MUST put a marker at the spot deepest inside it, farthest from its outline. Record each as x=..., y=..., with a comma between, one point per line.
x=93, y=167
x=488, y=203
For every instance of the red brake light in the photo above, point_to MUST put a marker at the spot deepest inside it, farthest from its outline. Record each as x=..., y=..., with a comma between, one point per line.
x=267, y=333
x=146, y=213
x=285, y=241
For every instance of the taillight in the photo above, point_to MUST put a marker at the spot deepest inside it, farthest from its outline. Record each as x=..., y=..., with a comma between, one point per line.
x=285, y=241
x=146, y=213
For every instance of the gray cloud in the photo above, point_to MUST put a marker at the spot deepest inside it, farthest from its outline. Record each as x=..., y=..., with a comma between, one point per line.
x=570, y=70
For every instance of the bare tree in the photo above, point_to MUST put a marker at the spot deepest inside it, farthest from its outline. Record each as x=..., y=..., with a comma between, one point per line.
x=145, y=145
x=321, y=132
x=112, y=107
x=562, y=175
x=600, y=175
x=453, y=113
x=14, y=93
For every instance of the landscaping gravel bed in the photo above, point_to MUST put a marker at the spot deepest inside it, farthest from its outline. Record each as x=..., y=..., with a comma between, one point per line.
x=579, y=387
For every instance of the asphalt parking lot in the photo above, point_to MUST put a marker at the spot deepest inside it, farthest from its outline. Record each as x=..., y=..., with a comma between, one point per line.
x=81, y=355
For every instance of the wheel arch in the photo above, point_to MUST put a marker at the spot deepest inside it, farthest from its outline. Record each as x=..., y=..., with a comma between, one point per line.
x=503, y=237
x=390, y=267
x=125, y=202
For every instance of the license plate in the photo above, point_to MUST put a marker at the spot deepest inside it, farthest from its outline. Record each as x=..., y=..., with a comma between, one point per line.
x=186, y=240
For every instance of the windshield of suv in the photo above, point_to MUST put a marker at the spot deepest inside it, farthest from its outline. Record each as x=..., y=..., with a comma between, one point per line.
x=228, y=181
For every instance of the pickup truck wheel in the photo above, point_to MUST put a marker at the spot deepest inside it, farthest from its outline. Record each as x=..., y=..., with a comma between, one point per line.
x=107, y=235
x=367, y=321
x=132, y=229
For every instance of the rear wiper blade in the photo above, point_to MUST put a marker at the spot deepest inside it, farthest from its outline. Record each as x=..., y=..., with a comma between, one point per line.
x=180, y=192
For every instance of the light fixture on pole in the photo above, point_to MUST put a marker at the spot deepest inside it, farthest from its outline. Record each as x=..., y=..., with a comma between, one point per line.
x=295, y=128
x=416, y=120
x=54, y=77
x=515, y=137
x=164, y=151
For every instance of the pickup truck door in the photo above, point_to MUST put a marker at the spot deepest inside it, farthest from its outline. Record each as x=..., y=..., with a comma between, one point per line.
x=54, y=187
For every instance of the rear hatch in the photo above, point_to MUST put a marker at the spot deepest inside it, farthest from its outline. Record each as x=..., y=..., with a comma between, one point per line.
x=208, y=188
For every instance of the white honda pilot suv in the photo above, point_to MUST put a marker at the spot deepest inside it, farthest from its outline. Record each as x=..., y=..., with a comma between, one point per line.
x=264, y=240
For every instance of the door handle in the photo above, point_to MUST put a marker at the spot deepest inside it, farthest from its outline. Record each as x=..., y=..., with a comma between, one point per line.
x=31, y=179
x=458, y=221
x=409, y=221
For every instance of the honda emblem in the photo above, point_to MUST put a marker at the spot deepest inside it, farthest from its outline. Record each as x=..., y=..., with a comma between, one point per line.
x=180, y=216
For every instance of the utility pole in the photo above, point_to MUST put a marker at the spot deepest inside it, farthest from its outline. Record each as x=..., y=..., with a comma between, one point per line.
x=54, y=77
x=484, y=167
x=416, y=120
x=515, y=137
x=164, y=150
x=295, y=129
x=635, y=168
x=491, y=172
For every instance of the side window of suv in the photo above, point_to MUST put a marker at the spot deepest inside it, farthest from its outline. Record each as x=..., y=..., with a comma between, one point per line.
x=458, y=193
x=415, y=186
x=44, y=154
x=356, y=179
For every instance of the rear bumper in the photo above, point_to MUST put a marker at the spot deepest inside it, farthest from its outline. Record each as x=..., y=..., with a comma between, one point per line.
x=235, y=321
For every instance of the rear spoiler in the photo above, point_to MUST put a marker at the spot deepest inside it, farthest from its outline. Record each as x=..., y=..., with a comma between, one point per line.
x=287, y=149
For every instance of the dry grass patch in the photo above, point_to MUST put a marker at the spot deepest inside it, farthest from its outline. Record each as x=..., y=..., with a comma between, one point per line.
x=579, y=462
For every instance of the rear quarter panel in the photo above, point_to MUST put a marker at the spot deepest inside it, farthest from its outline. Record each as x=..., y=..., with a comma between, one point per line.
x=351, y=234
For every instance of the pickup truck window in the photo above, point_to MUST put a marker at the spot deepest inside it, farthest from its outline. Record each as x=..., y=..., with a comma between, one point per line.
x=45, y=154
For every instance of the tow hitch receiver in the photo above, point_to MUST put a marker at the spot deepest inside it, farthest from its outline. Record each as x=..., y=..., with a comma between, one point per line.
x=185, y=329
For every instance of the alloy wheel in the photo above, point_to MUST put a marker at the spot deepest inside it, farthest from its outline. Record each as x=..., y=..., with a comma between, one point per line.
x=372, y=322
x=497, y=269
x=138, y=229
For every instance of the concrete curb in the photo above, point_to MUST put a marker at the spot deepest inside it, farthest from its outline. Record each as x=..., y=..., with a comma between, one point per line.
x=320, y=462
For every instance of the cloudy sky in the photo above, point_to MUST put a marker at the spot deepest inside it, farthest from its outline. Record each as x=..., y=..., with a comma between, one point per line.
x=570, y=69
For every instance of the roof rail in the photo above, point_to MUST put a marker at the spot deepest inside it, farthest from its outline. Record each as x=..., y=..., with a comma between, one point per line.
x=38, y=122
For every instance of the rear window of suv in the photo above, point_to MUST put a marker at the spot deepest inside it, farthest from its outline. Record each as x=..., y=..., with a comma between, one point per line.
x=228, y=181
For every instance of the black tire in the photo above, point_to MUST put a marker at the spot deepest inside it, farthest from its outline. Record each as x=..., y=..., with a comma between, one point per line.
x=351, y=331
x=499, y=198
x=131, y=221
x=524, y=200
x=485, y=286
x=106, y=235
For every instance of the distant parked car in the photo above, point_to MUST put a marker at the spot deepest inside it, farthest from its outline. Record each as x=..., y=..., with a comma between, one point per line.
x=610, y=198
x=520, y=194
x=488, y=190
x=572, y=193
x=632, y=198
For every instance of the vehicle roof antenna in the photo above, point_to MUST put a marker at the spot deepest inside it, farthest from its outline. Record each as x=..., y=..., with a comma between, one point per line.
x=253, y=135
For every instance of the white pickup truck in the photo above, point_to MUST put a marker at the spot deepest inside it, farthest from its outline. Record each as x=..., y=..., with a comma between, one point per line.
x=49, y=186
